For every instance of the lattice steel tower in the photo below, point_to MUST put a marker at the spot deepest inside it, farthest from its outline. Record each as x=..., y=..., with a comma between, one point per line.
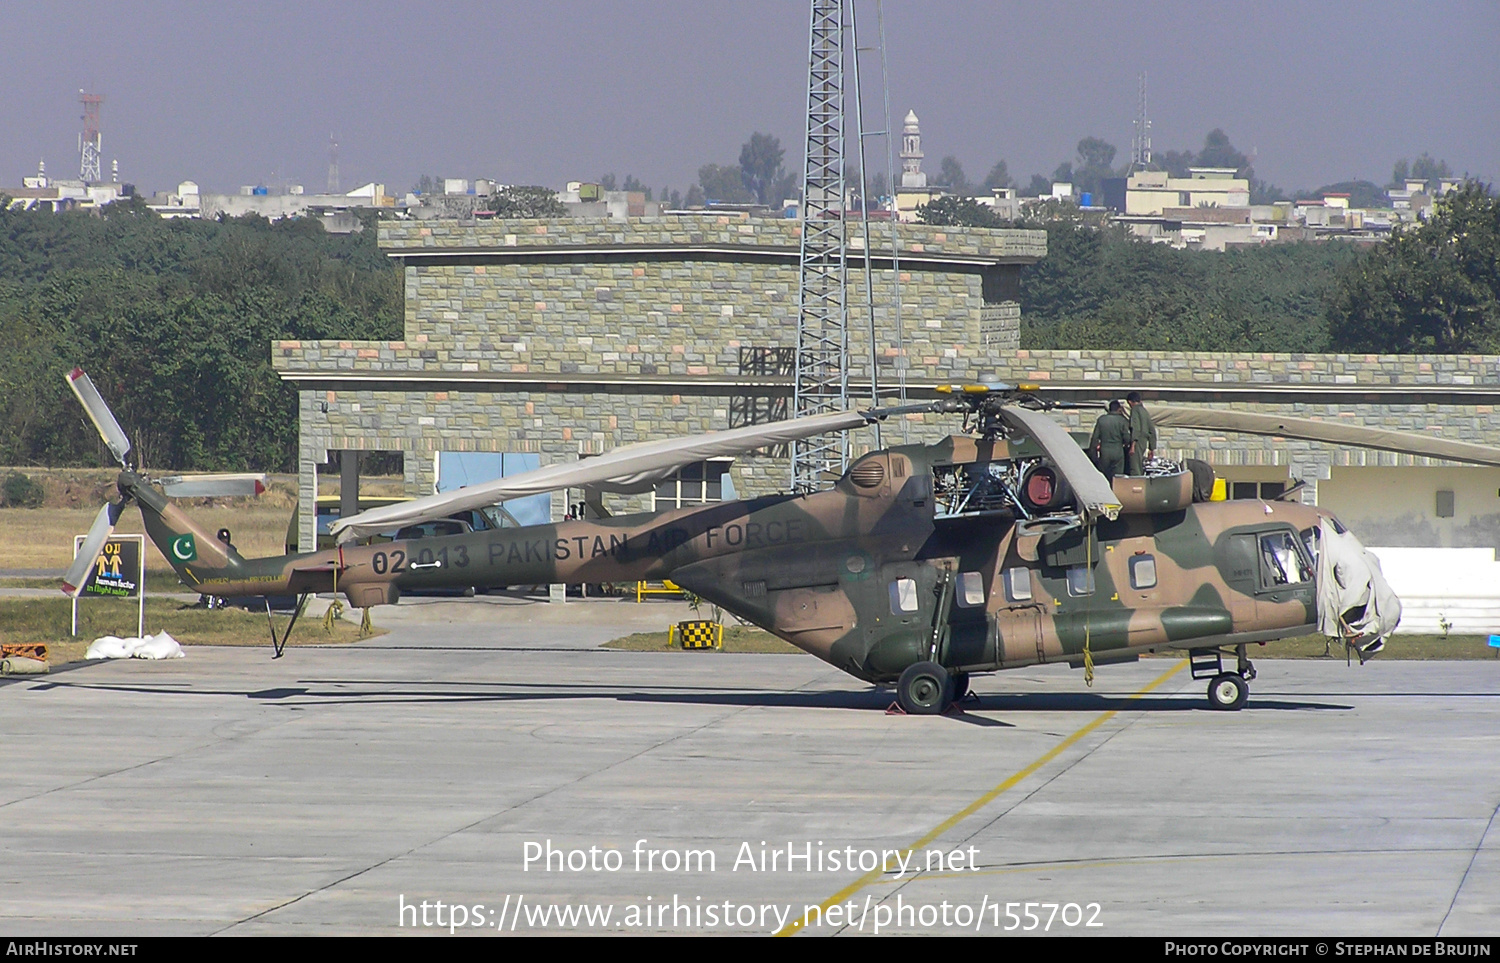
x=90, y=141
x=822, y=363
x=1140, y=147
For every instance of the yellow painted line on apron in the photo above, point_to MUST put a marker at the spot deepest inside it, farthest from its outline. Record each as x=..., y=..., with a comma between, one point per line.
x=978, y=804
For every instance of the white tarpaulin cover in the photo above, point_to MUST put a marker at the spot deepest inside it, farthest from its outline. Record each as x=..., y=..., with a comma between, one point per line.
x=1353, y=595
x=622, y=468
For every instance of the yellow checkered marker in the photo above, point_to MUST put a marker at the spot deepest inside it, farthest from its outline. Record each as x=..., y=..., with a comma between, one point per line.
x=698, y=634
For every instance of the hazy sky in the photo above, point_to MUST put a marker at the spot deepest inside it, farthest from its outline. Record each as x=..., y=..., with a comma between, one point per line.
x=247, y=92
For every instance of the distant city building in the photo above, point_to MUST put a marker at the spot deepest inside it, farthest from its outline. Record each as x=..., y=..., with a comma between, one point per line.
x=41, y=193
x=1149, y=192
x=592, y=201
x=1004, y=202
x=334, y=211
x=186, y=202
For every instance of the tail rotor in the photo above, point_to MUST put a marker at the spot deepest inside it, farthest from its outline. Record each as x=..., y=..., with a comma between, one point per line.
x=177, y=486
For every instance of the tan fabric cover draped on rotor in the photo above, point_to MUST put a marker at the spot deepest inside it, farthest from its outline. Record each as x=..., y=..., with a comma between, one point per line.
x=624, y=468
x=1333, y=432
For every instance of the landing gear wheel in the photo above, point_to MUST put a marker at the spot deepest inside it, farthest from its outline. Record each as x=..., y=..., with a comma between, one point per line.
x=925, y=689
x=960, y=685
x=1228, y=692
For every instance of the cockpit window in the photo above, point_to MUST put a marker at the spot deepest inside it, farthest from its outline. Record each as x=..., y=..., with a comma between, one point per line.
x=1280, y=562
x=1312, y=538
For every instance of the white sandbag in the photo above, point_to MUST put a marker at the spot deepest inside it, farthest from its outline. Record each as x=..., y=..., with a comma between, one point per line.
x=111, y=647
x=21, y=665
x=159, y=646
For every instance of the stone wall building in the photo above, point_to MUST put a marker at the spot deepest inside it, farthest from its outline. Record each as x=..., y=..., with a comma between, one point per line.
x=568, y=337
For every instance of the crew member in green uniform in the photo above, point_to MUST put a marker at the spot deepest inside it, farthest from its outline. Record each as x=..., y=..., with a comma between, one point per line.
x=1110, y=439
x=1142, y=434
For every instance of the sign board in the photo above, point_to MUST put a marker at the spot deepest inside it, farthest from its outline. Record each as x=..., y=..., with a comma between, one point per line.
x=118, y=572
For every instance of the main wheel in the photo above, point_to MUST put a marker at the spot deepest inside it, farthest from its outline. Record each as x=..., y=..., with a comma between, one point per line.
x=960, y=685
x=925, y=689
x=1228, y=692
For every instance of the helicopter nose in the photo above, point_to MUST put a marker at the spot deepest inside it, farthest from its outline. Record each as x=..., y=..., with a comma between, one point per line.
x=1355, y=602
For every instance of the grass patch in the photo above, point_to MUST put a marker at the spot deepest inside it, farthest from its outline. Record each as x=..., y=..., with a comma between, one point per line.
x=737, y=638
x=157, y=583
x=46, y=620
x=1419, y=647
x=42, y=538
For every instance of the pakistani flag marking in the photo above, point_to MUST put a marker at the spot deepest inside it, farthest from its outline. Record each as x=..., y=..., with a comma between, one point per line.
x=184, y=549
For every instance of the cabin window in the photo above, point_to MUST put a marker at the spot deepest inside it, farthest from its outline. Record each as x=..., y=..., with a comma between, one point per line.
x=903, y=596
x=1018, y=584
x=970, y=590
x=1080, y=580
x=1143, y=571
x=1280, y=562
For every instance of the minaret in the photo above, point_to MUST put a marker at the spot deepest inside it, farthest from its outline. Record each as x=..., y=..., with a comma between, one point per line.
x=911, y=153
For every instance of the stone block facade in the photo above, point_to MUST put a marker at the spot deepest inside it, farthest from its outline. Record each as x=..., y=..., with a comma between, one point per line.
x=567, y=337
x=1452, y=396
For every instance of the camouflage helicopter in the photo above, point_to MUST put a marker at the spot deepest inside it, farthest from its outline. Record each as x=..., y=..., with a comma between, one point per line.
x=996, y=548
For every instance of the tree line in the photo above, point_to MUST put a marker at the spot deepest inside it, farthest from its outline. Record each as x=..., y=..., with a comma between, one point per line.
x=174, y=319
x=1095, y=162
x=1433, y=287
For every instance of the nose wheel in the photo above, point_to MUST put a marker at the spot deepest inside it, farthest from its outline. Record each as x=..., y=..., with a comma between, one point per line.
x=1227, y=690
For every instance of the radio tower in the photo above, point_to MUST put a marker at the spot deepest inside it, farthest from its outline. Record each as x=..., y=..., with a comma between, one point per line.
x=333, y=165
x=1140, y=147
x=90, y=141
x=822, y=363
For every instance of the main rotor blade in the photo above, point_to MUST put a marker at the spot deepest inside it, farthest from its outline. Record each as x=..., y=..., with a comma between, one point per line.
x=104, y=420
x=623, y=467
x=1095, y=496
x=224, y=485
x=93, y=544
x=1332, y=432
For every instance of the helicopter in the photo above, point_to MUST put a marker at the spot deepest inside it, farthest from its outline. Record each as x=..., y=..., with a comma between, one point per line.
x=922, y=565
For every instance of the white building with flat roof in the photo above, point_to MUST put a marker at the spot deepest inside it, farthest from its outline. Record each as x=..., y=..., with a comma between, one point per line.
x=1150, y=192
